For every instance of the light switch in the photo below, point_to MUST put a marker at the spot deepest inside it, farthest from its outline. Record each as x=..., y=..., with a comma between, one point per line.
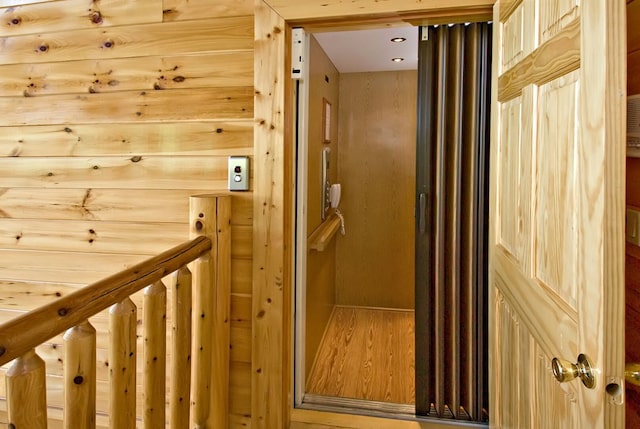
x=238, y=173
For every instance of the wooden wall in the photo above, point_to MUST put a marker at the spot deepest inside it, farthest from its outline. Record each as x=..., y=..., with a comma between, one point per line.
x=113, y=113
x=375, y=259
x=321, y=266
x=632, y=318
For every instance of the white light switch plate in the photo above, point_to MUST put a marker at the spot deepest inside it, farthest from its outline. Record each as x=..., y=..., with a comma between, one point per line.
x=238, y=173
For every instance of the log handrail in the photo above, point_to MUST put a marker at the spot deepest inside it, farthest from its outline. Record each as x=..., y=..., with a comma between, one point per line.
x=195, y=298
x=44, y=323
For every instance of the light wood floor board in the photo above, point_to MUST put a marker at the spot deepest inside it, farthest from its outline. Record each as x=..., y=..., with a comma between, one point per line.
x=366, y=353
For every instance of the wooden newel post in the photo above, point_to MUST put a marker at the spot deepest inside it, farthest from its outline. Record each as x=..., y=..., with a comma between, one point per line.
x=80, y=377
x=210, y=216
x=122, y=365
x=27, y=392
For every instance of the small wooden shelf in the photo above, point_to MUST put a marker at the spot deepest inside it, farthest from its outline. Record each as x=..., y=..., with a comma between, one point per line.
x=323, y=234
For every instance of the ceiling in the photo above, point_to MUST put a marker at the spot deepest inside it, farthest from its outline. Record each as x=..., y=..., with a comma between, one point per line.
x=371, y=50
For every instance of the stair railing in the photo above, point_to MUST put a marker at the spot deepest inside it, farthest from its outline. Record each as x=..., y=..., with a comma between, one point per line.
x=198, y=349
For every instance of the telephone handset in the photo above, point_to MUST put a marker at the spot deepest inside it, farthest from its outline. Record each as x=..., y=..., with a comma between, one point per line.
x=334, y=195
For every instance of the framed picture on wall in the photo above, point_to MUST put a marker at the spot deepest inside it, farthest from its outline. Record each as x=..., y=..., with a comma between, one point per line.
x=326, y=121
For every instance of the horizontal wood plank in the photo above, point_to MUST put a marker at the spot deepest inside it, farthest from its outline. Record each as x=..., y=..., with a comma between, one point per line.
x=75, y=14
x=184, y=172
x=240, y=389
x=210, y=70
x=177, y=138
x=147, y=238
x=126, y=205
x=556, y=57
x=63, y=267
x=147, y=106
x=179, y=10
x=91, y=236
x=186, y=37
x=60, y=267
x=181, y=138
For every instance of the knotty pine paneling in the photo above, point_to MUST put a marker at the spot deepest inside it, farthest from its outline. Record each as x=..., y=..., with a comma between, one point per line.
x=148, y=238
x=207, y=70
x=142, y=139
x=129, y=112
x=74, y=14
x=177, y=10
x=153, y=172
x=139, y=106
x=171, y=38
x=122, y=205
x=32, y=266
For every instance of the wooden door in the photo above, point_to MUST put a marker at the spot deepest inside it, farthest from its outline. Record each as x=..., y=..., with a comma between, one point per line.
x=556, y=224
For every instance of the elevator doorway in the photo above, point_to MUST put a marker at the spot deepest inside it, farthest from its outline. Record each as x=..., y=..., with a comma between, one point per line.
x=356, y=310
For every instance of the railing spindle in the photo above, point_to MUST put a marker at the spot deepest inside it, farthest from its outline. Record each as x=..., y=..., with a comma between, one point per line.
x=180, y=353
x=122, y=365
x=202, y=341
x=80, y=377
x=26, y=392
x=155, y=354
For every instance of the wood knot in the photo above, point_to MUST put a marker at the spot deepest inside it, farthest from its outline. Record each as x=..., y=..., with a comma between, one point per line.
x=95, y=17
x=43, y=48
x=16, y=21
x=219, y=130
x=78, y=379
x=108, y=44
x=62, y=312
x=67, y=130
x=179, y=79
x=136, y=158
x=157, y=86
x=199, y=225
x=3, y=350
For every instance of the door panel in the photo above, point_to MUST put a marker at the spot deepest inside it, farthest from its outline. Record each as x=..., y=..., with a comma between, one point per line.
x=556, y=230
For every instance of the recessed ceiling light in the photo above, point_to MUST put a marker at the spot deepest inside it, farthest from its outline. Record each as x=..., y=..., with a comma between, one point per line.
x=397, y=60
x=398, y=39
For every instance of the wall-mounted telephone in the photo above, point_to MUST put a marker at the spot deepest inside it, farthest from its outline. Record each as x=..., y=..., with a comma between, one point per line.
x=330, y=193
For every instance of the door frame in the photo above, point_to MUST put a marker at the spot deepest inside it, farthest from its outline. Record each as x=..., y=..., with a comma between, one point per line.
x=274, y=200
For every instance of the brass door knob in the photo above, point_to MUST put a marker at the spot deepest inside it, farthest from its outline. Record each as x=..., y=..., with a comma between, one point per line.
x=565, y=371
x=632, y=373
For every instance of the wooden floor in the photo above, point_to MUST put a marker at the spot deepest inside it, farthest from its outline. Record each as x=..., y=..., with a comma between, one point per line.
x=366, y=354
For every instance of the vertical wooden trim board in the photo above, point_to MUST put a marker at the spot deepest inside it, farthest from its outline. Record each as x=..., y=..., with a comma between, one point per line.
x=268, y=307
